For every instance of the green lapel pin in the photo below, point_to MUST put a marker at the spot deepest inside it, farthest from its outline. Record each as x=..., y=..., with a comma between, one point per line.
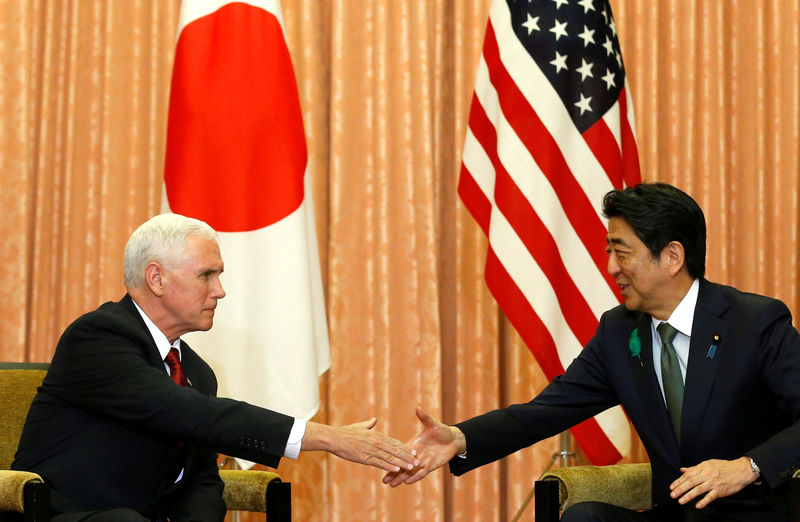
x=635, y=345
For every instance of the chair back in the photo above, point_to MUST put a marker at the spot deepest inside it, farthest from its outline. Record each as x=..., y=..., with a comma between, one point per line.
x=18, y=385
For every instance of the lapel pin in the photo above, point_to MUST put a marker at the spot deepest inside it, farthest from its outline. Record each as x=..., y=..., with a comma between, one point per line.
x=635, y=345
x=713, y=348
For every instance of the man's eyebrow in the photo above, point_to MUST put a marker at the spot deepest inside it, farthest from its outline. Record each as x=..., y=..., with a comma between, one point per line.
x=617, y=241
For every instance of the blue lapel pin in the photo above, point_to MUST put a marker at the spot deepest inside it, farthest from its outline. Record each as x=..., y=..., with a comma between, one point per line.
x=713, y=348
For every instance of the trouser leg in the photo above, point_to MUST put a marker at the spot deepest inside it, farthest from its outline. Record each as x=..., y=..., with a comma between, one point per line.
x=105, y=515
x=602, y=512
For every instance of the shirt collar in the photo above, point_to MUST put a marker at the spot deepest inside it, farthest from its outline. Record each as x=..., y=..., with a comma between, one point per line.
x=162, y=343
x=682, y=317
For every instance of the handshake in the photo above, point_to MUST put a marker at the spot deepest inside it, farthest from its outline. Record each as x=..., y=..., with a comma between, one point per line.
x=432, y=448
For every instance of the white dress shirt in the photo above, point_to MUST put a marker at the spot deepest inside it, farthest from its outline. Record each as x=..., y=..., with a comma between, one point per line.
x=681, y=319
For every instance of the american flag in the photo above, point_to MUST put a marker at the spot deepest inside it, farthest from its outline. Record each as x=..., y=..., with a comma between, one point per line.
x=550, y=132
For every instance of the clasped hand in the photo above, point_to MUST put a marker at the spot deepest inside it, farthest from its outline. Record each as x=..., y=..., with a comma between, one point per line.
x=358, y=443
x=436, y=444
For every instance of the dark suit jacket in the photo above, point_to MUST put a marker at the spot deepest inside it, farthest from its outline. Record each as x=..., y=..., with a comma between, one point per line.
x=745, y=400
x=104, y=428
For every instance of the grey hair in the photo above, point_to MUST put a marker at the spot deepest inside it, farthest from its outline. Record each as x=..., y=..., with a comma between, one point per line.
x=161, y=239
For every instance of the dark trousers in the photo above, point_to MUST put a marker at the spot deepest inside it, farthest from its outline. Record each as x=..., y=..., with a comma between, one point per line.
x=600, y=512
x=103, y=515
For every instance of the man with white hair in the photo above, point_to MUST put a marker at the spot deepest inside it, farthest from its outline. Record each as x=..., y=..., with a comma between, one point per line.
x=126, y=424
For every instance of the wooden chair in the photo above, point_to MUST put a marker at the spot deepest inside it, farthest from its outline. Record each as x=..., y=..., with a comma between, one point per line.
x=25, y=496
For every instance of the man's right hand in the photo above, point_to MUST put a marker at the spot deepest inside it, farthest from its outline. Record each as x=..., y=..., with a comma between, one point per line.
x=436, y=444
x=360, y=443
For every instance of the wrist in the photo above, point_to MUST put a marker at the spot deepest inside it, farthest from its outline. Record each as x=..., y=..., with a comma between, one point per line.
x=754, y=469
x=459, y=439
x=317, y=437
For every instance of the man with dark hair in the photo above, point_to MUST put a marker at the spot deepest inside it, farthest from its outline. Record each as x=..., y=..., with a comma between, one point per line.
x=707, y=374
x=659, y=213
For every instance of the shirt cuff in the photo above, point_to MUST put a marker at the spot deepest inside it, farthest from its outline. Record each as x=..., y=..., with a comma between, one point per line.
x=295, y=442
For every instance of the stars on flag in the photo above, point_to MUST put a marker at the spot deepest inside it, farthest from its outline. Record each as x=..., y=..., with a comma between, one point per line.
x=588, y=5
x=587, y=36
x=585, y=69
x=608, y=45
x=560, y=61
x=532, y=24
x=559, y=29
x=574, y=43
x=609, y=79
x=583, y=104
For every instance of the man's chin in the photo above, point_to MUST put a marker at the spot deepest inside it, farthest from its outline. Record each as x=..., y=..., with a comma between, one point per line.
x=630, y=305
x=205, y=325
x=207, y=321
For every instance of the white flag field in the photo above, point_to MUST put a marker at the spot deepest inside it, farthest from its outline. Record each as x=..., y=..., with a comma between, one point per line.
x=236, y=158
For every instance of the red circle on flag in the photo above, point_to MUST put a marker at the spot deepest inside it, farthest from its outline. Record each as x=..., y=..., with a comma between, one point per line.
x=236, y=150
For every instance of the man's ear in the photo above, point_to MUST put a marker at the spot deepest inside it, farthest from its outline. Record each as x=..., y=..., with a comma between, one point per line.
x=674, y=257
x=153, y=274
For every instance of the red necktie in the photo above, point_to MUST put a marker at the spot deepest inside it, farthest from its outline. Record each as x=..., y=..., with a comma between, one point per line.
x=175, y=369
x=176, y=372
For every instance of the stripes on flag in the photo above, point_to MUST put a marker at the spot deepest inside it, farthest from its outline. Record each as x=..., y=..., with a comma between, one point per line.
x=550, y=133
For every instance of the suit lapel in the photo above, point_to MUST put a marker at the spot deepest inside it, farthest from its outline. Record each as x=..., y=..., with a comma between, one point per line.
x=192, y=368
x=705, y=352
x=648, y=390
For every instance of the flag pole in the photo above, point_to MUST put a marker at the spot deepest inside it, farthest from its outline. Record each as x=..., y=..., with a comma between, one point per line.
x=564, y=456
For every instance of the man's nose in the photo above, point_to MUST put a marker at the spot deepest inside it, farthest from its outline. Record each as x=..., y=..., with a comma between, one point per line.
x=613, y=267
x=219, y=292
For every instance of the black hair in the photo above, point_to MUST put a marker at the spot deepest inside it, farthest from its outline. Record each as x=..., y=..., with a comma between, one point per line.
x=659, y=214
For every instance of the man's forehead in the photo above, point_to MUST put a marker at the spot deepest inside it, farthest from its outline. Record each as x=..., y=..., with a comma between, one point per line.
x=619, y=232
x=204, y=250
x=199, y=242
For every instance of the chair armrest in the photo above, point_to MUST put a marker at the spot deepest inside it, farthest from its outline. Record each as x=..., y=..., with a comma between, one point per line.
x=626, y=485
x=258, y=491
x=12, y=489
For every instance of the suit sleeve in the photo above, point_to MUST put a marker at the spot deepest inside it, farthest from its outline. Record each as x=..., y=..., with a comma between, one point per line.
x=779, y=355
x=580, y=393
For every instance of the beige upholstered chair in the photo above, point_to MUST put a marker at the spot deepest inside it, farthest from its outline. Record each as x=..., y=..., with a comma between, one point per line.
x=626, y=485
x=20, y=492
x=25, y=496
